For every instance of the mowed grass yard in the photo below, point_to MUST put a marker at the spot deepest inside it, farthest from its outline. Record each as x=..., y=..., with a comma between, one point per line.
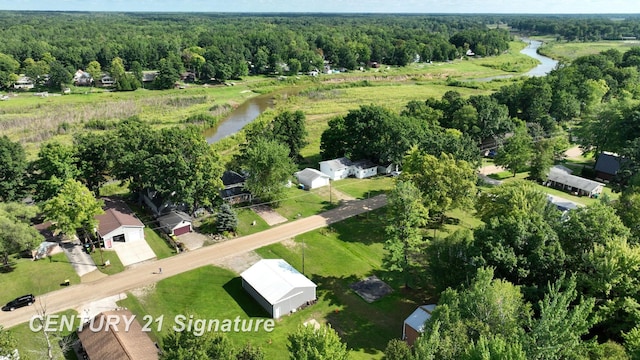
x=36, y=277
x=33, y=345
x=334, y=258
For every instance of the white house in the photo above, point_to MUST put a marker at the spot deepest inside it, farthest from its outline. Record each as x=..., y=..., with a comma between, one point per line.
x=118, y=224
x=414, y=325
x=176, y=223
x=561, y=178
x=337, y=169
x=312, y=178
x=24, y=83
x=278, y=287
x=342, y=168
x=363, y=169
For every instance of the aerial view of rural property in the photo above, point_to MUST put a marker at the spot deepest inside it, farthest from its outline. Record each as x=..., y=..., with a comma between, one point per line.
x=269, y=179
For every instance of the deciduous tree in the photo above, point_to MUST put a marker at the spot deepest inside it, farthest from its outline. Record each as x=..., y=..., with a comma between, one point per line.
x=406, y=217
x=269, y=167
x=516, y=153
x=13, y=170
x=309, y=343
x=16, y=232
x=74, y=207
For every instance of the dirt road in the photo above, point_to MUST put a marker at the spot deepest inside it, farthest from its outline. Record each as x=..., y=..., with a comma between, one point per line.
x=146, y=273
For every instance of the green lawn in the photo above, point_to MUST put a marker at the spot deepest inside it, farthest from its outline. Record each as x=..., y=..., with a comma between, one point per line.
x=304, y=202
x=364, y=188
x=159, y=246
x=335, y=257
x=246, y=217
x=101, y=257
x=33, y=346
x=572, y=50
x=36, y=277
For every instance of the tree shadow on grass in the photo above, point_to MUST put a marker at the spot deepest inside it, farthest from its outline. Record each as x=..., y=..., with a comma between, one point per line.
x=249, y=305
x=363, y=326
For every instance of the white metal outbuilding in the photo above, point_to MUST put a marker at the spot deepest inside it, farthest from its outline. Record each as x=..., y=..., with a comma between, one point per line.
x=278, y=287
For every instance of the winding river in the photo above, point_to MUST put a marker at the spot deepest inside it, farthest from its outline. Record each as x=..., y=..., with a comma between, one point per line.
x=253, y=107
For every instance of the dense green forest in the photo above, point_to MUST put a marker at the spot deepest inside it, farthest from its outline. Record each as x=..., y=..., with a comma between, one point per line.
x=230, y=46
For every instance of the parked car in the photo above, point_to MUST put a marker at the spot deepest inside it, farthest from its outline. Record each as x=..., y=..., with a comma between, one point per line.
x=24, y=300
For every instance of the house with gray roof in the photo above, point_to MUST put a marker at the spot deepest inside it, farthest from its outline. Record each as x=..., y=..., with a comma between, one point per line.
x=561, y=179
x=312, y=178
x=341, y=168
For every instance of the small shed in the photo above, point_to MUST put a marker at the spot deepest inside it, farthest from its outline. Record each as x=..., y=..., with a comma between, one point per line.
x=337, y=169
x=413, y=326
x=312, y=178
x=176, y=223
x=278, y=287
x=118, y=223
x=607, y=166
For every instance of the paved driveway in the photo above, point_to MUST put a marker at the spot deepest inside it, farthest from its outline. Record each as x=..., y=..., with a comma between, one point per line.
x=133, y=252
x=81, y=261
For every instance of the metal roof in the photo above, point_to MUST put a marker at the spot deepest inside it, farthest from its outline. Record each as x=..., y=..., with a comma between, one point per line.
x=273, y=279
x=307, y=175
x=417, y=319
x=339, y=163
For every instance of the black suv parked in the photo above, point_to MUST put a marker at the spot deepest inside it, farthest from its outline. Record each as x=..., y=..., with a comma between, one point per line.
x=19, y=302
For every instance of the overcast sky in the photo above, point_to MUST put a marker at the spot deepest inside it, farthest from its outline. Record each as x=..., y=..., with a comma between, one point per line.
x=336, y=6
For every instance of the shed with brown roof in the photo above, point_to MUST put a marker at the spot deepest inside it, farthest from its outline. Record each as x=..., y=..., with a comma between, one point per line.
x=102, y=338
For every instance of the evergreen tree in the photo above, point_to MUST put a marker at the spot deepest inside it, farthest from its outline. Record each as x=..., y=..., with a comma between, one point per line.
x=226, y=219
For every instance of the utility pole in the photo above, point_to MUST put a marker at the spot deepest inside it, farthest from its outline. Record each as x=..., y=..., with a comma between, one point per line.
x=302, y=256
x=330, y=197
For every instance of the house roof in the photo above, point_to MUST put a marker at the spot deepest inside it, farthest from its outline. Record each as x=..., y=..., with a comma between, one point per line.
x=560, y=176
x=364, y=164
x=230, y=177
x=339, y=163
x=45, y=230
x=608, y=163
x=417, y=318
x=116, y=341
x=308, y=175
x=562, y=204
x=173, y=218
x=116, y=214
x=274, y=278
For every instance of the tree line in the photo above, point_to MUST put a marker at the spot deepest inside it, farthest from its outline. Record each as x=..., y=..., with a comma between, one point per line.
x=230, y=46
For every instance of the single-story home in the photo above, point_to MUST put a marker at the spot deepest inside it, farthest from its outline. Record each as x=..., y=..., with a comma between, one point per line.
x=24, y=83
x=278, y=287
x=176, y=223
x=312, y=178
x=118, y=224
x=105, y=338
x=233, y=191
x=607, y=166
x=562, y=179
x=363, y=169
x=413, y=326
x=107, y=80
x=341, y=168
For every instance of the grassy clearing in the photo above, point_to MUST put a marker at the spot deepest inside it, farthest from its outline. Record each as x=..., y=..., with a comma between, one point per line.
x=36, y=277
x=302, y=203
x=571, y=50
x=335, y=257
x=364, y=188
x=100, y=257
x=33, y=346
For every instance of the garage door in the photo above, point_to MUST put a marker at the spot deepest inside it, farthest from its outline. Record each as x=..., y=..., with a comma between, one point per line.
x=181, y=230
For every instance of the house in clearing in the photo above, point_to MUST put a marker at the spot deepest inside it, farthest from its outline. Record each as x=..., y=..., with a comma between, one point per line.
x=176, y=223
x=312, y=178
x=118, y=224
x=342, y=168
x=561, y=178
x=82, y=78
x=110, y=336
x=23, y=83
x=413, y=326
x=278, y=287
x=607, y=166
